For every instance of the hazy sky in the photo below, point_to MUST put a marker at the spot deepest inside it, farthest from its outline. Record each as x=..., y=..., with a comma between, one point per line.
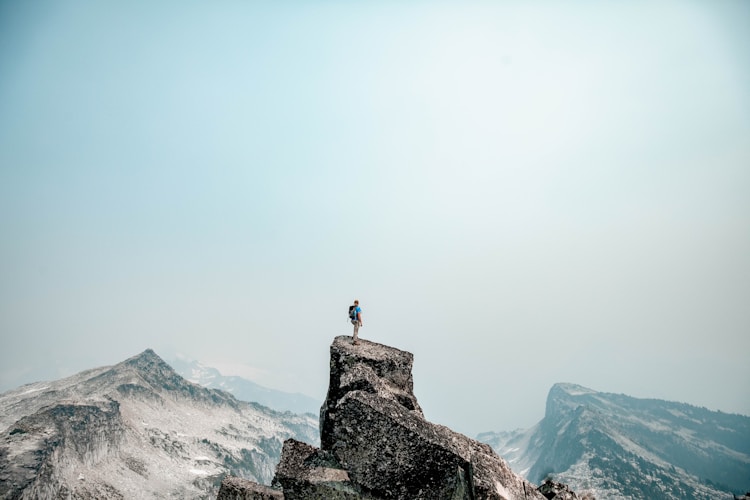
x=519, y=193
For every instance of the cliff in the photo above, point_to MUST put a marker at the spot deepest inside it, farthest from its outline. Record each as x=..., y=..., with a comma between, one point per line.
x=376, y=443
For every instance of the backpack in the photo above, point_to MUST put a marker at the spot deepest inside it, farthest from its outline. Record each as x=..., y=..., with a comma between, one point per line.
x=352, y=312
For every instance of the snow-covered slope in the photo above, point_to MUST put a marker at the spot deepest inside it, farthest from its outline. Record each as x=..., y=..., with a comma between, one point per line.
x=244, y=389
x=621, y=447
x=136, y=430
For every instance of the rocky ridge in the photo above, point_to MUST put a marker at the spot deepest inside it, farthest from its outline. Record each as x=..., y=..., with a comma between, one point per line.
x=617, y=446
x=135, y=430
x=376, y=443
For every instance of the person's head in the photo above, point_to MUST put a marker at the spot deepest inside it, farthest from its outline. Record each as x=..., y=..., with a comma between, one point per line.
x=356, y=302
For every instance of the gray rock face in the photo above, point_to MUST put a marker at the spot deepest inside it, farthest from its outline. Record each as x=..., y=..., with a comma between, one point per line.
x=39, y=450
x=377, y=444
x=307, y=472
x=367, y=368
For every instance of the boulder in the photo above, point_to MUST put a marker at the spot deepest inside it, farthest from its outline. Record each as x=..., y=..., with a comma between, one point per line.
x=556, y=491
x=306, y=472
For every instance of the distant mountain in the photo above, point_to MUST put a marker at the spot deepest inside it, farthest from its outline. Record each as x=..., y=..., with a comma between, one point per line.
x=245, y=390
x=617, y=446
x=136, y=430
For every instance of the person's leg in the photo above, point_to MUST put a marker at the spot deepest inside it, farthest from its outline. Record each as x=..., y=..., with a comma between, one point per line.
x=356, y=331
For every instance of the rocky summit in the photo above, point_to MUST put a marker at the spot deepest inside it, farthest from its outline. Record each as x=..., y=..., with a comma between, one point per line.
x=376, y=443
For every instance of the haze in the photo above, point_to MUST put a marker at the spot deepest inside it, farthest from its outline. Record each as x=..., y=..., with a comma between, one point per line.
x=517, y=193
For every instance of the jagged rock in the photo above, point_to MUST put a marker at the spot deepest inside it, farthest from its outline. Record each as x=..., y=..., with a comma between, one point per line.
x=556, y=491
x=235, y=488
x=376, y=443
x=306, y=472
x=368, y=368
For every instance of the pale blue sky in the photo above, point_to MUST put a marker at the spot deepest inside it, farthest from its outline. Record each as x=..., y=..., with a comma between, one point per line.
x=519, y=193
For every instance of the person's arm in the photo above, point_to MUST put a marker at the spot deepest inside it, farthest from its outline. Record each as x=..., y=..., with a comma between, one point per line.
x=359, y=318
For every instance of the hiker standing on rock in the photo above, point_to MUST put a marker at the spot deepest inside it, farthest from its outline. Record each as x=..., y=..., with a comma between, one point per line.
x=355, y=315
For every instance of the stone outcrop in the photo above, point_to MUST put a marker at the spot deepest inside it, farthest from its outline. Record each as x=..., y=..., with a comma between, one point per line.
x=235, y=488
x=556, y=491
x=307, y=472
x=376, y=443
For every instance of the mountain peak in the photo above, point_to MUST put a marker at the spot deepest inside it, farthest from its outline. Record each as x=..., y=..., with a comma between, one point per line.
x=571, y=389
x=135, y=429
x=564, y=398
x=145, y=360
x=151, y=368
x=152, y=371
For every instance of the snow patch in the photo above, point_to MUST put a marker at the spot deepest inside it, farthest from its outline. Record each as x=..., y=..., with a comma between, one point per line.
x=576, y=390
x=37, y=389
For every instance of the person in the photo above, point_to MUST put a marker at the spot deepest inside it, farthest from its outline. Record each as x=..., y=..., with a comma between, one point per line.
x=357, y=321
